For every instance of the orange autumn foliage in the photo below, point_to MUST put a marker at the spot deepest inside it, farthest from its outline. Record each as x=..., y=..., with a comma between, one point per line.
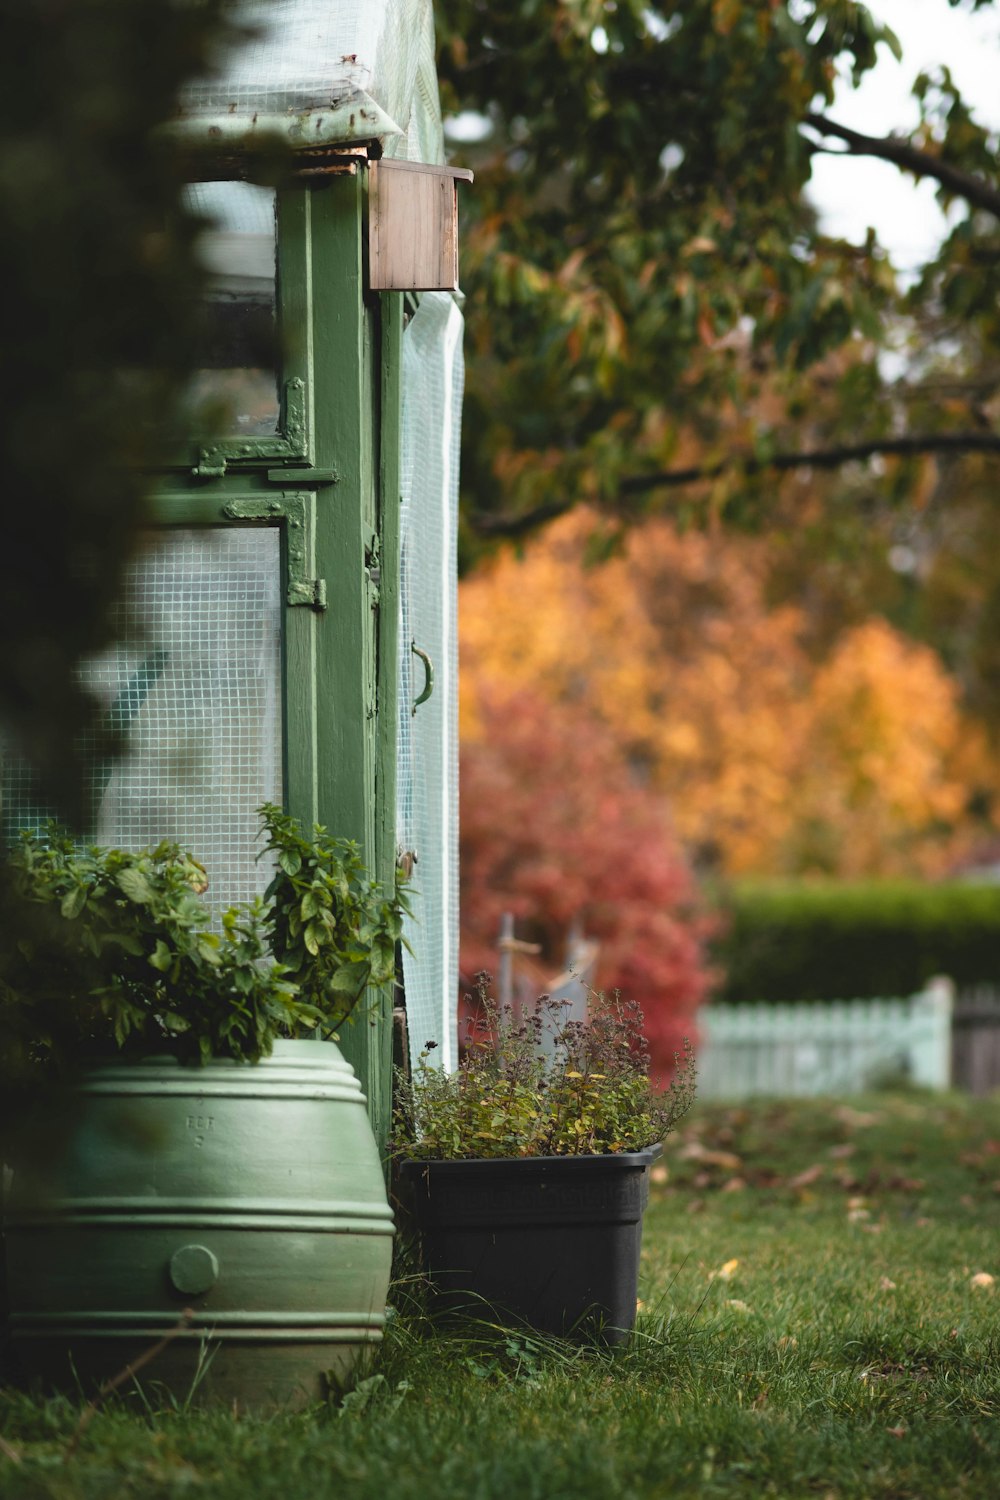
x=860, y=764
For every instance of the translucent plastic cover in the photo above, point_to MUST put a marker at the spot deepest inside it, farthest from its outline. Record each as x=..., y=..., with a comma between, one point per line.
x=427, y=780
x=317, y=72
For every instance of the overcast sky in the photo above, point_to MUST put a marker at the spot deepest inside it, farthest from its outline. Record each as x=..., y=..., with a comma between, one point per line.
x=853, y=194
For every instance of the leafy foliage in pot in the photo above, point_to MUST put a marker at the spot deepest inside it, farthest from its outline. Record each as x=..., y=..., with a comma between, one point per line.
x=333, y=928
x=121, y=954
x=542, y=1086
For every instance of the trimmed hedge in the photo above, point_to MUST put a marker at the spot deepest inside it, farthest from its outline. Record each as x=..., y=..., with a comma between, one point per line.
x=782, y=940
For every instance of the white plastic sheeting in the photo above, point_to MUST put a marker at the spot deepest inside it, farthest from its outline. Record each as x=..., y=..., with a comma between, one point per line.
x=316, y=72
x=427, y=781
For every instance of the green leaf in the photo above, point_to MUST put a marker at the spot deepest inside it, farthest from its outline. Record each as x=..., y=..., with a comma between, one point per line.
x=348, y=979
x=161, y=958
x=892, y=42
x=133, y=883
x=290, y=862
x=73, y=902
x=126, y=941
x=208, y=949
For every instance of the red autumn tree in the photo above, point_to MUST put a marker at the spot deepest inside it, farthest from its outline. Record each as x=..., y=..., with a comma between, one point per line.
x=555, y=831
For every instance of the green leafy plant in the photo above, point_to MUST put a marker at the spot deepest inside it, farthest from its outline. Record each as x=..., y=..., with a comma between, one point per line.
x=333, y=928
x=118, y=951
x=541, y=1086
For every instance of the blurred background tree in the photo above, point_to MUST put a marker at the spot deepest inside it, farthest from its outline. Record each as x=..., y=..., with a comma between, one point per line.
x=774, y=756
x=779, y=592
x=555, y=835
x=643, y=262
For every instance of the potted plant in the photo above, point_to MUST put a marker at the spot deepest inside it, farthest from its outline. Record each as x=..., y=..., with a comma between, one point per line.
x=214, y=1182
x=527, y=1168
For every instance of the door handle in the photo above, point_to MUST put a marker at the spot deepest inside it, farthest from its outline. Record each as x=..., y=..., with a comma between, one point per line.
x=428, y=687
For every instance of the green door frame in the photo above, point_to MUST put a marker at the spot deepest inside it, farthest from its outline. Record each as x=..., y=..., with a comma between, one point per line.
x=331, y=481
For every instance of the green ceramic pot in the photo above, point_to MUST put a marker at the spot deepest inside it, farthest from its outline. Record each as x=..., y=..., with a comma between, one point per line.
x=238, y=1208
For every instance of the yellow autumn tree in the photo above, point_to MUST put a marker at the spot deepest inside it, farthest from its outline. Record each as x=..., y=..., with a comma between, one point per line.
x=772, y=762
x=890, y=759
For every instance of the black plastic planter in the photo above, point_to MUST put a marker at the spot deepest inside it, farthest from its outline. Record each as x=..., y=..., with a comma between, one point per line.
x=551, y=1242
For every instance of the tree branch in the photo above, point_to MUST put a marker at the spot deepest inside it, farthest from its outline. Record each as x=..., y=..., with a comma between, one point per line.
x=820, y=458
x=975, y=190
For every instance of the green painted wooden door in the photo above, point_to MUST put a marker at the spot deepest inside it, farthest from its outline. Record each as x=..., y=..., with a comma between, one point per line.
x=324, y=487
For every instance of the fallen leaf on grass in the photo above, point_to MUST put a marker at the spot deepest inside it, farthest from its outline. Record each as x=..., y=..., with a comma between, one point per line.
x=727, y=1161
x=724, y=1273
x=886, y=1285
x=737, y=1305
x=734, y=1185
x=808, y=1177
x=788, y=1341
x=982, y=1279
x=659, y=1175
x=892, y=1371
x=841, y=1153
x=855, y=1119
x=764, y=1177
x=896, y=1432
x=696, y=1206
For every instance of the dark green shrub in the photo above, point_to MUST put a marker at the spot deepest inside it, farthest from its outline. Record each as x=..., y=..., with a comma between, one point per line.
x=835, y=941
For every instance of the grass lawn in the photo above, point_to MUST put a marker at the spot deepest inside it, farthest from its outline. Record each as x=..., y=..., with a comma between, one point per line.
x=818, y=1319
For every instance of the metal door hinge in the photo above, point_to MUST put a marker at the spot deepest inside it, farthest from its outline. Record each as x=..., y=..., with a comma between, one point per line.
x=296, y=512
x=290, y=443
x=302, y=476
x=310, y=591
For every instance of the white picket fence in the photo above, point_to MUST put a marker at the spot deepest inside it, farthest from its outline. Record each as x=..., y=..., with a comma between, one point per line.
x=825, y=1047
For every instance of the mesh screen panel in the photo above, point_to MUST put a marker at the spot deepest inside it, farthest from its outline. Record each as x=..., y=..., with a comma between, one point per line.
x=198, y=689
x=317, y=55
x=427, y=813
